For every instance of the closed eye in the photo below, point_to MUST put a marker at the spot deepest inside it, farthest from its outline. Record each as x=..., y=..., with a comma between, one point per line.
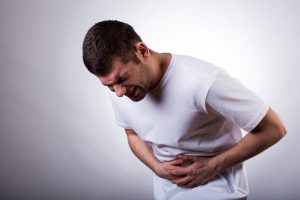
x=120, y=80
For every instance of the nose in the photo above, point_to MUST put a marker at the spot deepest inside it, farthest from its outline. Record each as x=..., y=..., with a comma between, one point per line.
x=119, y=90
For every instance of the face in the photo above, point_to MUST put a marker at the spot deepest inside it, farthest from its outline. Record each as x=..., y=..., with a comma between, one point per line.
x=130, y=79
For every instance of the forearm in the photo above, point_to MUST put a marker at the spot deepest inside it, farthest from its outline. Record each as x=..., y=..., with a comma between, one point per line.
x=251, y=145
x=205, y=169
x=142, y=150
x=266, y=134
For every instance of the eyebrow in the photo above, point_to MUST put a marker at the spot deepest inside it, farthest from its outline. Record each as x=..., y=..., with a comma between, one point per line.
x=116, y=80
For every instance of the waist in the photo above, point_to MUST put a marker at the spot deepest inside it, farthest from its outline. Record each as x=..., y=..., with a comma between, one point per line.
x=167, y=156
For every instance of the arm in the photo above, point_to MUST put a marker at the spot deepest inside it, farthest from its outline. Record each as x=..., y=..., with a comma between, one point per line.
x=144, y=152
x=269, y=131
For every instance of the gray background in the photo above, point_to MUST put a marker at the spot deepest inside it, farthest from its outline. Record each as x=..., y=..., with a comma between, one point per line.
x=58, y=135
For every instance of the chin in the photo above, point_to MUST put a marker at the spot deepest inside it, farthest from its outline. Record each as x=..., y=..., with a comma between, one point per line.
x=135, y=100
x=138, y=97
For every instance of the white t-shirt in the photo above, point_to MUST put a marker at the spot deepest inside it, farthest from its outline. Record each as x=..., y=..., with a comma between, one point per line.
x=196, y=109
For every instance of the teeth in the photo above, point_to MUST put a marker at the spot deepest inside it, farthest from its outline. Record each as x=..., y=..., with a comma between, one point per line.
x=131, y=90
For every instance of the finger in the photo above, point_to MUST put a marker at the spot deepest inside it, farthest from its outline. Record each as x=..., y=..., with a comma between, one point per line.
x=170, y=168
x=173, y=166
x=195, y=183
x=180, y=171
x=175, y=162
x=183, y=181
x=190, y=159
x=184, y=157
x=171, y=177
x=173, y=169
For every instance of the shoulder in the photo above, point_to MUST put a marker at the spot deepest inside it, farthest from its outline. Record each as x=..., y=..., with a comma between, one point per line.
x=195, y=66
x=194, y=70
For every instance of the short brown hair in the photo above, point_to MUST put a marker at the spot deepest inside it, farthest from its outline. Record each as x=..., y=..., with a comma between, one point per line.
x=107, y=40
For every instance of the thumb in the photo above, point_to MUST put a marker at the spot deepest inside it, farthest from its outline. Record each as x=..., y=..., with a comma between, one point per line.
x=186, y=158
x=175, y=162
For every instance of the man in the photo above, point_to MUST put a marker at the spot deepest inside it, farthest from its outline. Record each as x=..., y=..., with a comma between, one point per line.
x=183, y=116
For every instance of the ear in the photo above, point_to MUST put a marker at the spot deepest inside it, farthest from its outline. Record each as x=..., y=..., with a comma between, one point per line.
x=142, y=51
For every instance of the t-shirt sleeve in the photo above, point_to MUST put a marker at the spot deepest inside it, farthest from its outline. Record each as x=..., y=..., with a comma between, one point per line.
x=120, y=119
x=229, y=98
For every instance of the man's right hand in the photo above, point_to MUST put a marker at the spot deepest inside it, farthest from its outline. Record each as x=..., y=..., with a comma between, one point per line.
x=163, y=169
x=144, y=152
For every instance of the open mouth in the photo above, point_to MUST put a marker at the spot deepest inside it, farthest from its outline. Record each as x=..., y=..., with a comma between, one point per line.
x=135, y=92
x=132, y=92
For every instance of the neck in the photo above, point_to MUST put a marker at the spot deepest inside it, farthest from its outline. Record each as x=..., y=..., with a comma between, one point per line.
x=159, y=65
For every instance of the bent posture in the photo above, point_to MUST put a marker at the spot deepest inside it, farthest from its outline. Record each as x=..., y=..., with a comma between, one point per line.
x=182, y=116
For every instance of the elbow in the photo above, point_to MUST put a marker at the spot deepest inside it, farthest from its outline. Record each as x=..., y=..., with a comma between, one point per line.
x=281, y=131
x=279, y=126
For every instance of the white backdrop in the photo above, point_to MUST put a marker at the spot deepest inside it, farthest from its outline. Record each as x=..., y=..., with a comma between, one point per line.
x=58, y=137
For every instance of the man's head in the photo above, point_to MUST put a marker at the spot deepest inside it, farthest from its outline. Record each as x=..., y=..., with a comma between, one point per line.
x=115, y=53
x=108, y=40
